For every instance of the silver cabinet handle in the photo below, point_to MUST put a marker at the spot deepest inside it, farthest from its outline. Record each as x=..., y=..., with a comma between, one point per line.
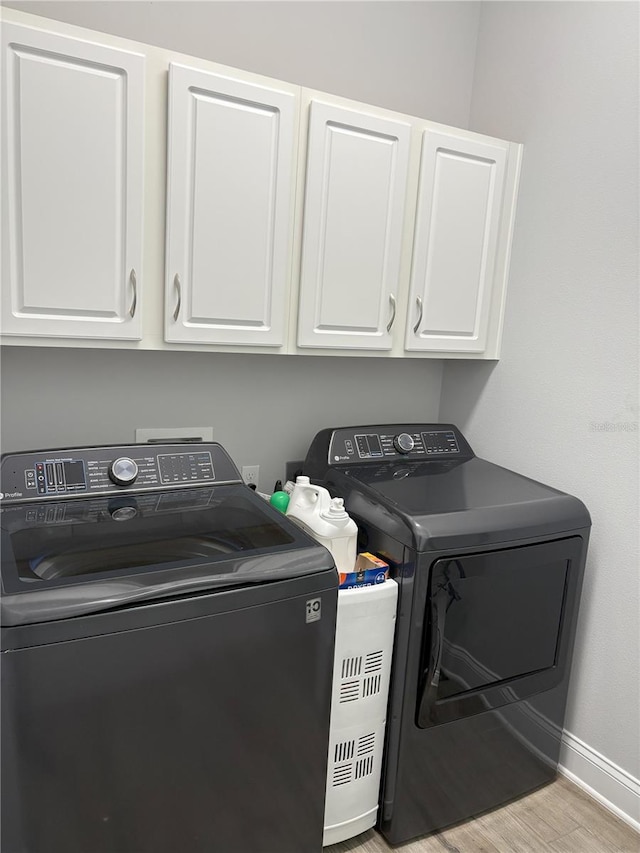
x=417, y=325
x=392, y=302
x=178, y=287
x=134, y=284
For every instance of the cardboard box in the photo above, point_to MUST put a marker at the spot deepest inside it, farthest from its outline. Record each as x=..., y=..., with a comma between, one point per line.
x=368, y=571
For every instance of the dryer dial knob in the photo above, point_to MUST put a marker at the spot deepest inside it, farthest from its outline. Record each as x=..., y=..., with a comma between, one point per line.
x=403, y=443
x=123, y=471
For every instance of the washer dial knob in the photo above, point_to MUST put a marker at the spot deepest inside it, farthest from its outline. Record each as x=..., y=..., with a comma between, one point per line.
x=123, y=471
x=403, y=443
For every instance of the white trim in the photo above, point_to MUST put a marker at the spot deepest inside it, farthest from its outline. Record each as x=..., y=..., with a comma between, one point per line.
x=603, y=780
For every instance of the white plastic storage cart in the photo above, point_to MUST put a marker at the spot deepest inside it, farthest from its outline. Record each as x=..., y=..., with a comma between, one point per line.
x=362, y=665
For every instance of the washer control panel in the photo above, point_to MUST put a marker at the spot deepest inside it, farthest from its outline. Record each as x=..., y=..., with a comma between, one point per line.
x=92, y=471
x=355, y=445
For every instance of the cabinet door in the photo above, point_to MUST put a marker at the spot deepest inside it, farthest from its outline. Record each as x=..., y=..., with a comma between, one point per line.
x=230, y=199
x=353, y=221
x=72, y=114
x=460, y=196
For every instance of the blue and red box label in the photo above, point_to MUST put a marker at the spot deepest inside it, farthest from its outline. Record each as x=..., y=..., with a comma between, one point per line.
x=369, y=570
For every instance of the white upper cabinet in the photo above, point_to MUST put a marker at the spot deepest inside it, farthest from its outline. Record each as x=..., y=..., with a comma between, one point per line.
x=230, y=200
x=461, y=226
x=293, y=221
x=72, y=117
x=356, y=183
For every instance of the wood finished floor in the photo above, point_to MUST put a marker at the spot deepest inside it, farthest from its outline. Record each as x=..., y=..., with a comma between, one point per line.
x=559, y=818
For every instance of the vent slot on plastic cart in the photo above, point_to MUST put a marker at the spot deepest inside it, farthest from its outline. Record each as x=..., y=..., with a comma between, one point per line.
x=373, y=662
x=351, y=667
x=355, y=687
x=349, y=691
x=342, y=775
x=345, y=770
x=364, y=767
x=371, y=685
x=344, y=751
x=366, y=744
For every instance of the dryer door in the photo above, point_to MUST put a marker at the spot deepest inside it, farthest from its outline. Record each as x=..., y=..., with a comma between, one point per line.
x=498, y=628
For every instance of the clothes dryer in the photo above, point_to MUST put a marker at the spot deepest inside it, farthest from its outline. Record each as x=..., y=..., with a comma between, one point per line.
x=489, y=565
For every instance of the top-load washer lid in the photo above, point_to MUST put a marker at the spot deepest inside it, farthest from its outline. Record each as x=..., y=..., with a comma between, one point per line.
x=111, y=546
x=423, y=485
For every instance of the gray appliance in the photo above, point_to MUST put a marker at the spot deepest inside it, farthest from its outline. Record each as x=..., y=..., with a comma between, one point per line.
x=489, y=565
x=167, y=654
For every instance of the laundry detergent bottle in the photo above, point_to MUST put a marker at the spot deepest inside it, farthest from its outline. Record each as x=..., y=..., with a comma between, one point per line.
x=326, y=520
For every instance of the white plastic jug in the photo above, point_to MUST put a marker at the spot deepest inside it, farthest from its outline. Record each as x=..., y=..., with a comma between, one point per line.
x=326, y=519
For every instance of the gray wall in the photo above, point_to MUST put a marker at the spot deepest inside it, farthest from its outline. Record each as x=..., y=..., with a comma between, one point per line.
x=413, y=57
x=562, y=404
x=263, y=409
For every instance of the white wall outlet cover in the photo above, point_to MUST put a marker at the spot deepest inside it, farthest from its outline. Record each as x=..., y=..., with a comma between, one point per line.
x=169, y=433
x=251, y=474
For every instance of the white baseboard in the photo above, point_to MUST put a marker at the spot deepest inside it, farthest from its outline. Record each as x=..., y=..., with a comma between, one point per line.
x=603, y=780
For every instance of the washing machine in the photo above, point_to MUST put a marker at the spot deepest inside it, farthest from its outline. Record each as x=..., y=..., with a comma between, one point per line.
x=167, y=655
x=489, y=565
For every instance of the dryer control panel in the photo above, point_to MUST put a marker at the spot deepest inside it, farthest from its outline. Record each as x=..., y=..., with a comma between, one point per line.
x=78, y=472
x=386, y=443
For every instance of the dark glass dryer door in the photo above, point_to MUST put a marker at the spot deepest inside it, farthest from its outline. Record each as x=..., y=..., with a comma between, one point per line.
x=495, y=628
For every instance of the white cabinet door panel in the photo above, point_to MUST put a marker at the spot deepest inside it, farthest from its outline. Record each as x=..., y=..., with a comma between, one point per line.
x=72, y=177
x=353, y=220
x=457, y=229
x=229, y=209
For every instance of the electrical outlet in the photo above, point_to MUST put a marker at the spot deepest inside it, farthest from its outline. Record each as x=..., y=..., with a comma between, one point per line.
x=250, y=474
